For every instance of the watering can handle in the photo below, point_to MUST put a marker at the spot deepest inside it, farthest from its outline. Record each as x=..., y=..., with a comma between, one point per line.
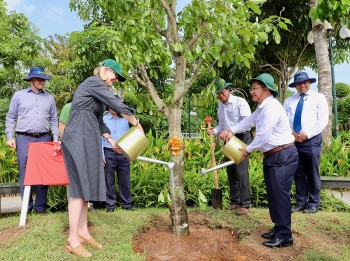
x=213, y=157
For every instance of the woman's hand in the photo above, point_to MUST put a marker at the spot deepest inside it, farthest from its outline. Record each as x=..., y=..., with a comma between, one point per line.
x=117, y=149
x=138, y=126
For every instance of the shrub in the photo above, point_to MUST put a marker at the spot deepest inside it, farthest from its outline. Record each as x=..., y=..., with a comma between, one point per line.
x=150, y=182
x=342, y=89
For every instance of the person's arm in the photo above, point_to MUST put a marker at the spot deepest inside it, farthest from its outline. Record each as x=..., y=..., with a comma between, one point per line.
x=10, y=123
x=54, y=120
x=133, y=121
x=322, y=117
x=61, y=127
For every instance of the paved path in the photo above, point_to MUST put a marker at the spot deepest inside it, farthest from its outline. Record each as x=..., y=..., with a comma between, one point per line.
x=345, y=196
x=11, y=204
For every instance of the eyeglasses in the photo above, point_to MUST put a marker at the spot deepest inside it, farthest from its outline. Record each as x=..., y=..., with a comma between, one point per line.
x=254, y=89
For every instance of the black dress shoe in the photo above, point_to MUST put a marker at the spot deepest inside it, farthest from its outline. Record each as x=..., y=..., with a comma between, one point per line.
x=310, y=209
x=269, y=235
x=109, y=210
x=298, y=208
x=277, y=242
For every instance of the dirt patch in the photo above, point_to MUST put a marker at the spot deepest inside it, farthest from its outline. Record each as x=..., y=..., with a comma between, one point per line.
x=10, y=234
x=157, y=242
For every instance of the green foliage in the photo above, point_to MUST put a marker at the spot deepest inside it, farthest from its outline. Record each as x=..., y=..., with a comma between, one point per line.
x=343, y=106
x=345, y=138
x=8, y=163
x=4, y=106
x=342, y=89
x=19, y=39
x=150, y=182
x=335, y=159
x=333, y=11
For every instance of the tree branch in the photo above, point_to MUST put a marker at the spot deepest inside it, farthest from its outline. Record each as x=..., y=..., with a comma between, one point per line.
x=170, y=10
x=145, y=81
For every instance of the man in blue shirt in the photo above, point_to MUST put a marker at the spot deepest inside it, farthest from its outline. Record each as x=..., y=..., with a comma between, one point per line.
x=32, y=113
x=115, y=161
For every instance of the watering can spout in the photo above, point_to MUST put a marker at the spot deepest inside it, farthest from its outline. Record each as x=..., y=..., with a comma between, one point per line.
x=228, y=163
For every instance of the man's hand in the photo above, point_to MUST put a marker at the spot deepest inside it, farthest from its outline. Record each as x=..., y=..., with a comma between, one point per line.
x=300, y=137
x=223, y=134
x=228, y=136
x=11, y=143
x=245, y=153
x=210, y=131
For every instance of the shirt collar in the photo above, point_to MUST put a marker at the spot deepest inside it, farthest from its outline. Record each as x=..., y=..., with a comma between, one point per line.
x=262, y=105
x=230, y=100
x=30, y=90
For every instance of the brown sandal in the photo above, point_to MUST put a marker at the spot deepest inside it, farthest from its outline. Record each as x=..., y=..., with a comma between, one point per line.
x=80, y=250
x=91, y=242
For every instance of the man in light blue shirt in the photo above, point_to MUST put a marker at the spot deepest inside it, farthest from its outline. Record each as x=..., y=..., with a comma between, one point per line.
x=115, y=161
x=32, y=114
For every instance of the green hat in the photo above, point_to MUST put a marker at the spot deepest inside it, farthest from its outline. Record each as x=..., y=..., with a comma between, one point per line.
x=268, y=81
x=221, y=84
x=115, y=66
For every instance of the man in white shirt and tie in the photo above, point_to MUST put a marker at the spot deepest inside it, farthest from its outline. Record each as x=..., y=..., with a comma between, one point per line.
x=308, y=116
x=275, y=140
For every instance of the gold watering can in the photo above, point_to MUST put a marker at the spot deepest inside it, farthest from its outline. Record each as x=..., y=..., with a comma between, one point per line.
x=133, y=143
x=232, y=152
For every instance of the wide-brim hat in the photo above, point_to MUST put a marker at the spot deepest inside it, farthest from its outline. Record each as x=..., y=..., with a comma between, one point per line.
x=115, y=66
x=221, y=84
x=268, y=81
x=37, y=72
x=301, y=77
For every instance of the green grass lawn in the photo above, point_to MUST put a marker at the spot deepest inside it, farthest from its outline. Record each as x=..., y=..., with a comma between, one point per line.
x=327, y=233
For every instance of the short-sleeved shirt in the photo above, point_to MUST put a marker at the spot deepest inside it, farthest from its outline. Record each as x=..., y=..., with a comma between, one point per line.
x=64, y=115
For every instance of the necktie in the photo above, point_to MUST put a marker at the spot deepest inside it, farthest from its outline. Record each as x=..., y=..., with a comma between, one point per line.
x=297, y=116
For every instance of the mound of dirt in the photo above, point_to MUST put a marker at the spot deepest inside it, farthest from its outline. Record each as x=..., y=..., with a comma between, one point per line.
x=157, y=242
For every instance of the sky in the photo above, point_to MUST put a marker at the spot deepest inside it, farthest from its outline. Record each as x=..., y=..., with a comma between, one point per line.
x=54, y=17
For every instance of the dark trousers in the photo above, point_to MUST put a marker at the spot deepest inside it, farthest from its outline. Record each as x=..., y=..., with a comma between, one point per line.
x=22, y=143
x=307, y=177
x=238, y=177
x=120, y=164
x=279, y=169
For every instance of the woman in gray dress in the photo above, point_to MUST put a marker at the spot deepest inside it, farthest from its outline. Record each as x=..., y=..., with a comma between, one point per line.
x=81, y=147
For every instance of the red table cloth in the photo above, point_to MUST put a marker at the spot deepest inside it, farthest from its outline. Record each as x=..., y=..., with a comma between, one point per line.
x=45, y=165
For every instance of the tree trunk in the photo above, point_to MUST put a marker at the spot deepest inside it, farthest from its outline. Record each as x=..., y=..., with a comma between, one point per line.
x=324, y=70
x=178, y=210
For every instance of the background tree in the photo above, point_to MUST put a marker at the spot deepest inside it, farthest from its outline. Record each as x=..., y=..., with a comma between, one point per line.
x=184, y=45
x=19, y=44
x=337, y=12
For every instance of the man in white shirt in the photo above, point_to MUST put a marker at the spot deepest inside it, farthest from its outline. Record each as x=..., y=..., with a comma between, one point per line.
x=275, y=140
x=231, y=110
x=313, y=118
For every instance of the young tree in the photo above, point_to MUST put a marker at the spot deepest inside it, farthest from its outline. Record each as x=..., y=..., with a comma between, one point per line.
x=150, y=35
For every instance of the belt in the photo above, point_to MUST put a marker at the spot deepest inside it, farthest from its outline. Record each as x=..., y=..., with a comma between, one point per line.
x=34, y=135
x=277, y=149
